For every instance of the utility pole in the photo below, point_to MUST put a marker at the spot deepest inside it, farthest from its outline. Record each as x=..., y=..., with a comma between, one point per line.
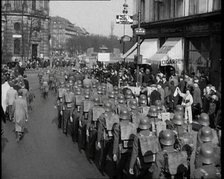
x=138, y=42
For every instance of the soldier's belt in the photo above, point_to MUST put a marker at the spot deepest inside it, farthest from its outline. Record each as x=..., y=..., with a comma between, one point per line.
x=78, y=108
x=69, y=104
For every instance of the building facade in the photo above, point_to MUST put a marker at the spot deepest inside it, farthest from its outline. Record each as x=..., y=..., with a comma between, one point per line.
x=61, y=30
x=197, y=23
x=26, y=29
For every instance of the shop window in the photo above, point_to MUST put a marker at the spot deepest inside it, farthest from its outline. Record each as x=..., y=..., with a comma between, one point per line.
x=198, y=54
x=164, y=9
x=216, y=5
x=16, y=46
x=17, y=26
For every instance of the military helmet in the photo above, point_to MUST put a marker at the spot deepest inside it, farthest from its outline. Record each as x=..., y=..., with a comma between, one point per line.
x=94, y=85
x=204, y=119
x=112, y=95
x=87, y=86
x=96, y=100
x=133, y=103
x=144, y=123
x=153, y=111
x=79, y=83
x=143, y=102
x=158, y=103
x=87, y=96
x=178, y=119
x=128, y=94
x=124, y=114
x=116, y=88
x=179, y=108
x=142, y=97
x=107, y=106
x=207, y=153
x=205, y=134
x=99, y=92
x=166, y=137
x=78, y=91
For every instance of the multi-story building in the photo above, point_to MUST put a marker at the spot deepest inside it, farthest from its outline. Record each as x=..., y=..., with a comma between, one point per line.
x=61, y=30
x=26, y=31
x=183, y=33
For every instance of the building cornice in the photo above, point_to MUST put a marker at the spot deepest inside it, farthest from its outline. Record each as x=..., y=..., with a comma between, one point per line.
x=25, y=14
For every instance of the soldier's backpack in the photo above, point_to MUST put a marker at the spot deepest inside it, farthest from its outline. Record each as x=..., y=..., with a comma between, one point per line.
x=149, y=146
x=128, y=131
x=175, y=162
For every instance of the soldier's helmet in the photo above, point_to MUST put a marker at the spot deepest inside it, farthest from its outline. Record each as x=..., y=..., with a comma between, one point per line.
x=204, y=119
x=116, y=90
x=158, y=104
x=96, y=100
x=128, y=94
x=205, y=134
x=78, y=91
x=108, y=106
x=143, y=102
x=87, y=96
x=133, y=103
x=144, y=123
x=112, y=95
x=94, y=85
x=62, y=84
x=178, y=118
x=124, y=114
x=207, y=153
x=153, y=111
x=179, y=108
x=166, y=137
x=87, y=86
x=142, y=96
x=79, y=83
x=121, y=99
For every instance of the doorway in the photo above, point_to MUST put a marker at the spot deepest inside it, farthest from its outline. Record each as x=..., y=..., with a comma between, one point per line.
x=34, y=51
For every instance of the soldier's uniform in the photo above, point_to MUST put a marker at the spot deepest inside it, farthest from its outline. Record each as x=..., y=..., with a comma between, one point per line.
x=69, y=104
x=104, y=133
x=135, y=113
x=145, y=147
x=207, y=159
x=60, y=102
x=123, y=132
x=91, y=126
x=169, y=162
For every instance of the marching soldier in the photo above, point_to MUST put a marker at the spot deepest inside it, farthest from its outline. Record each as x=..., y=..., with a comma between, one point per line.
x=208, y=168
x=91, y=126
x=104, y=133
x=124, y=132
x=85, y=107
x=168, y=160
x=60, y=102
x=145, y=147
x=77, y=113
x=135, y=113
x=69, y=103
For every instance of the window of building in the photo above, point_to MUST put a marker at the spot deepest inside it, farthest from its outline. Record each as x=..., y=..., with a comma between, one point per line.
x=17, y=4
x=164, y=9
x=179, y=8
x=25, y=6
x=16, y=46
x=33, y=4
x=17, y=26
x=198, y=54
x=46, y=4
x=216, y=5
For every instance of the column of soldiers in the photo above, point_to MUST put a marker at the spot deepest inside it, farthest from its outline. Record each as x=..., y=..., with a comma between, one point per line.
x=115, y=126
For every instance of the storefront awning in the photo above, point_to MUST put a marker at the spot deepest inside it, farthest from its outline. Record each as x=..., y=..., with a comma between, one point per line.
x=148, y=48
x=170, y=53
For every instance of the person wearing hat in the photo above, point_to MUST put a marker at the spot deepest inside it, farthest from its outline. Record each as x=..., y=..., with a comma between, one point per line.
x=208, y=168
x=214, y=105
x=123, y=132
x=69, y=105
x=145, y=147
x=26, y=82
x=60, y=101
x=168, y=160
x=104, y=133
x=135, y=113
x=20, y=111
x=197, y=100
x=91, y=126
x=155, y=95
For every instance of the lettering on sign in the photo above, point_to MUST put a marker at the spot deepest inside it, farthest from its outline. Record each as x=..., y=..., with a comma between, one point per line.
x=165, y=116
x=171, y=61
x=97, y=111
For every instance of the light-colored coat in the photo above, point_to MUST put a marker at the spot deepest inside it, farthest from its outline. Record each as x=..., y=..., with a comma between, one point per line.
x=20, y=113
x=188, y=109
x=11, y=96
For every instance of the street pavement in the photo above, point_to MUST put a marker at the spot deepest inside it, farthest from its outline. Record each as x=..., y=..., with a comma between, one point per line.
x=44, y=152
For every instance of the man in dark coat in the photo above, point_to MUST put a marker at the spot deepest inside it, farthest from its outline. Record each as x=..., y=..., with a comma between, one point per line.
x=155, y=95
x=26, y=82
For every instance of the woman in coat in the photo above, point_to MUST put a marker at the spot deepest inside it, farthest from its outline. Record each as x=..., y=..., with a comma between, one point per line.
x=20, y=114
